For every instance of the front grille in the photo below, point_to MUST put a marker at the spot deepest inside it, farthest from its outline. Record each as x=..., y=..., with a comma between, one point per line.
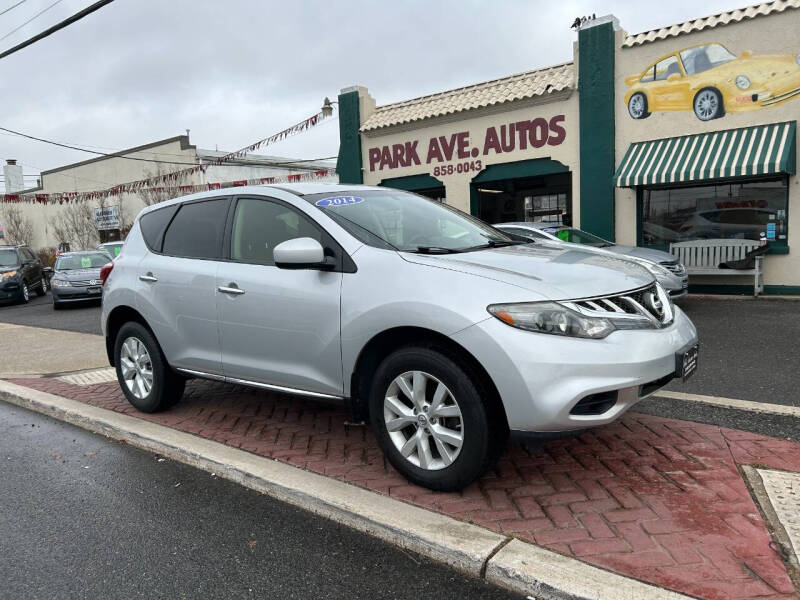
x=89, y=283
x=649, y=302
x=674, y=267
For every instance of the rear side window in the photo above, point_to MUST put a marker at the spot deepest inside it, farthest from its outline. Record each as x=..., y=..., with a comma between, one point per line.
x=153, y=225
x=197, y=229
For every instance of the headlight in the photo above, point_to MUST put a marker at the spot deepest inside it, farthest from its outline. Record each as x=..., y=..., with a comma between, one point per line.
x=8, y=274
x=743, y=82
x=59, y=283
x=553, y=318
x=654, y=268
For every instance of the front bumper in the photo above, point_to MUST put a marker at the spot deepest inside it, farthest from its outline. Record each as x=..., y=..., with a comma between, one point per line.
x=541, y=377
x=10, y=289
x=75, y=294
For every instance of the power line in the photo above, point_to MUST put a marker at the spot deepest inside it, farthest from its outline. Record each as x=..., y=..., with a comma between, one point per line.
x=37, y=15
x=153, y=160
x=58, y=26
x=12, y=7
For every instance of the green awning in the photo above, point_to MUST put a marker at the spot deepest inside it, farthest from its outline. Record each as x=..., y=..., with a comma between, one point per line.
x=760, y=150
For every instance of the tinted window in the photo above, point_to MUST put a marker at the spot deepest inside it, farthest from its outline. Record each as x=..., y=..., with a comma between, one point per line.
x=260, y=225
x=668, y=66
x=27, y=254
x=153, y=225
x=73, y=262
x=8, y=258
x=196, y=231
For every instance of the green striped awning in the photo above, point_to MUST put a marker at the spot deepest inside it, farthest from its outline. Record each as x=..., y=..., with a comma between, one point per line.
x=760, y=150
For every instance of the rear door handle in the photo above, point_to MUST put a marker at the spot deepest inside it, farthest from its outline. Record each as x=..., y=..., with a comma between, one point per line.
x=148, y=277
x=234, y=291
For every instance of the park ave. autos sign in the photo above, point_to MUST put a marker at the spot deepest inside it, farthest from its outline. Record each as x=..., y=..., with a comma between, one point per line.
x=106, y=217
x=466, y=147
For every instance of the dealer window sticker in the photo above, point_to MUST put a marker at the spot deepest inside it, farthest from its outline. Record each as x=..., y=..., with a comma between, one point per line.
x=339, y=201
x=86, y=262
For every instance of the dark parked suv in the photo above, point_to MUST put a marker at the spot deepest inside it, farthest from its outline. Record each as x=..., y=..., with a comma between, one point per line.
x=21, y=272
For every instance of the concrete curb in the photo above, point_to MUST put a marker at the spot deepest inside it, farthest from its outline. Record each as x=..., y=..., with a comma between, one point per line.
x=504, y=561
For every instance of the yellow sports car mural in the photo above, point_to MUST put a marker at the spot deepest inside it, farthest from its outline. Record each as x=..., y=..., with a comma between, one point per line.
x=709, y=80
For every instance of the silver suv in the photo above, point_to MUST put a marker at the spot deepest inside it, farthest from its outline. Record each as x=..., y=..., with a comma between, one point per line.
x=443, y=331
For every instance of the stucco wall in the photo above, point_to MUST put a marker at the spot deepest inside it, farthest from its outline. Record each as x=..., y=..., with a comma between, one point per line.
x=457, y=185
x=772, y=34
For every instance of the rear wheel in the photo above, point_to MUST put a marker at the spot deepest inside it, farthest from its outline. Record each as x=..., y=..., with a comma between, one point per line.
x=42, y=289
x=432, y=420
x=146, y=379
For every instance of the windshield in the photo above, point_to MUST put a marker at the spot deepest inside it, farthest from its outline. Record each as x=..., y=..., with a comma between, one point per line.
x=697, y=60
x=8, y=258
x=73, y=262
x=112, y=249
x=404, y=221
x=576, y=236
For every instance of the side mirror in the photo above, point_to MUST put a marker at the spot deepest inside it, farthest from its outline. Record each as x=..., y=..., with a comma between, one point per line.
x=300, y=253
x=47, y=270
x=674, y=77
x=747, y=54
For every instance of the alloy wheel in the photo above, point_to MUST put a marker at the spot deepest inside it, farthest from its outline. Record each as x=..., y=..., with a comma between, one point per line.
x=706, y=105
x=423, y=420
x=136, y=367
x=44, y=285
x=26, y=294
x=636, y=106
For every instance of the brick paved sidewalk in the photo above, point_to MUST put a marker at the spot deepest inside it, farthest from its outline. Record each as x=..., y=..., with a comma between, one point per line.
x=657, y=499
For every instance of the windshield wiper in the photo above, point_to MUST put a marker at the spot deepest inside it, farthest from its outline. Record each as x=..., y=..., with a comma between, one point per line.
x=435, y=250
x=492, y=244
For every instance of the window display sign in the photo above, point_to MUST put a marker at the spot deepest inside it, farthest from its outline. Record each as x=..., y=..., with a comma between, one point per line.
x=106, y=217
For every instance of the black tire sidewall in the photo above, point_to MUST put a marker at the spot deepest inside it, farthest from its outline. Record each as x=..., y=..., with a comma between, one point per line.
x=645, y=112
x=42, y=289
x=477, y=448
x=156, y=399
x=22, y=297
x=720, y=104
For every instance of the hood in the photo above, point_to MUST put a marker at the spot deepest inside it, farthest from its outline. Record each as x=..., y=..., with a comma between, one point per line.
x=554, y=271
x=656, y=256
x=760, y=69
x=78, y=275
x=9, y=268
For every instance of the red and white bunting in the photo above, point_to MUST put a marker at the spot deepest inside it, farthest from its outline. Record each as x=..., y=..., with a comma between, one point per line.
x=70, y=197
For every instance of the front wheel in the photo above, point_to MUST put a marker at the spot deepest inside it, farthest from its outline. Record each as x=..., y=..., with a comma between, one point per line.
x=432, y=421
x=25, y=293
x=637, y=106
x=146, y=379
x=708, y=104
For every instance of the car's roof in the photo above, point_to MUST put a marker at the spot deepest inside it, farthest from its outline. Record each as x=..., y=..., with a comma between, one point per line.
x=299, y=189
x=111, y=243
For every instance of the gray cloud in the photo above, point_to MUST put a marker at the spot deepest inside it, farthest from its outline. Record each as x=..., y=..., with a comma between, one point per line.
x=237, y=70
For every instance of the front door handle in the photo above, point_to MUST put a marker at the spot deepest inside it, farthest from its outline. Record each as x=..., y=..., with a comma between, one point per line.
x=148, y=277
x=230, y=289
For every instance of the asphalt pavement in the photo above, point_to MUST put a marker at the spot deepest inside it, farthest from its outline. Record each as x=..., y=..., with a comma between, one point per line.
x=81, y=317
x=85, y=517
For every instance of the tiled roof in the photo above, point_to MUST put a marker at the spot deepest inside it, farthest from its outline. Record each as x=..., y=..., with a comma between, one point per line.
x=489, y=93
x=732, y=16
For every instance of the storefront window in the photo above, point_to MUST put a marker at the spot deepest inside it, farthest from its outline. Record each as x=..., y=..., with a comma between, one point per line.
x=752, y=210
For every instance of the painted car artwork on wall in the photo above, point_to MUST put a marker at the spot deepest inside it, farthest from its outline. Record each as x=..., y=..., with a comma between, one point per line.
x=711, y=81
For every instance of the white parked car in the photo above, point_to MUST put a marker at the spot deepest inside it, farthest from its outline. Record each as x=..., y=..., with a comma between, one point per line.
x=444, y=332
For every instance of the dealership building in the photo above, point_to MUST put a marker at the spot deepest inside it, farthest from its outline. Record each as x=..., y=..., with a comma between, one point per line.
x=681, y=133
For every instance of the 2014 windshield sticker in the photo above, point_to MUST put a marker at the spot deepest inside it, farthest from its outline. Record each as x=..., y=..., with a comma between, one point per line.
x=339, y=201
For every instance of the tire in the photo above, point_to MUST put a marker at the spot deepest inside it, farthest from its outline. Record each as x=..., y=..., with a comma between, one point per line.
x=480, y=425
x=708, y=104
x=637, y=106
x=165, y=387
x=24, y=293
x=42, y=289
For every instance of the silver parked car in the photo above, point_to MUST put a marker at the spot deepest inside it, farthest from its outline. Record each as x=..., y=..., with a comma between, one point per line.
x=444, y=332
x=76, y=277
x=666, y=268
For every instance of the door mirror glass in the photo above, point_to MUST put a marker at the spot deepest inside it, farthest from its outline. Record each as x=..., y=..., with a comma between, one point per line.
x=299, y=253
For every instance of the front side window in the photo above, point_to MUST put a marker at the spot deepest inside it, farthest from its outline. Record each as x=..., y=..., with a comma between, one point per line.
x=703, y=58
x=8, y=258
x=75, y=262
x=404, y=221
x=665, y=68
x=196, y=231
x=752, y=210
x=576, y=236
x=260, y=225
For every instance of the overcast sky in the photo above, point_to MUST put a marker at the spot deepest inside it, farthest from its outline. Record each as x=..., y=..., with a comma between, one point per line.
x=235, y=71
